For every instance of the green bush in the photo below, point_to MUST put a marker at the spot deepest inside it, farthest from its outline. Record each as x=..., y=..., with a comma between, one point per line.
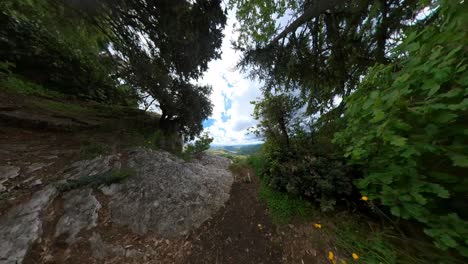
x=14, y=83
x=58, y=49
x=406, y=125
x=320, y=177
x=200, y=145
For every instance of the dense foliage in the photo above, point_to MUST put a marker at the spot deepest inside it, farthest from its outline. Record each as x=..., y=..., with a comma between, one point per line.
x=390, y=80
x=406, y=125
x=118, y=52
x=55, y=47
x=296, y=158
x=324, y=56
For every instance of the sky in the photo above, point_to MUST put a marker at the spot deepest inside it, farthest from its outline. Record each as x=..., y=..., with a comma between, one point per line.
x=232, y=93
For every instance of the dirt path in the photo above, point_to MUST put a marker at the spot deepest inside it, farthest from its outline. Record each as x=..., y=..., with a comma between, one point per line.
x=241, y=232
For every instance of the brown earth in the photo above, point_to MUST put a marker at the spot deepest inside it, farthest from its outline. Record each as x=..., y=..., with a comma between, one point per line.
x=242, y=232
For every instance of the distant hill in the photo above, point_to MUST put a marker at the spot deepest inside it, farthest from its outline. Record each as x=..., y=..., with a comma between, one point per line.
x=237, y=149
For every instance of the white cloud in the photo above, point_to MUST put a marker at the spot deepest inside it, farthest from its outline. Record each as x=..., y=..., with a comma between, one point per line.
x=232, y=94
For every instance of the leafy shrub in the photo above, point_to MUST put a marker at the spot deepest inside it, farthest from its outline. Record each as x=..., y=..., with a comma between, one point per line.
x=58, y=50
x=200, y=145
x=406, y=124
x=15, y=83
x=153, y=139
x=19, y=85
x=305, y=172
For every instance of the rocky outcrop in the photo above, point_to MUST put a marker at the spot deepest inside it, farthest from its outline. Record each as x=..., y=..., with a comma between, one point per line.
x=6, y=173
x=80, y=212
x=165, y=196
x=22, y=226
x=22, y=118
x=94, y=167
x=168, y=195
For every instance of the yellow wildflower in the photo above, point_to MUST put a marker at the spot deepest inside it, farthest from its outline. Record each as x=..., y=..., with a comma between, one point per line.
x=330, y=255
x=343, y=262
x=355, y=256
x=365, y=198
x=318, y=226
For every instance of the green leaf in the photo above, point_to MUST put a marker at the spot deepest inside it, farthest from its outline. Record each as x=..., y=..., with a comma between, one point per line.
x=398, y=141
x=448, y=241
x=437, y=189
x=413, y=47
x=395, y=211
x=379, y=115
x=459, y=160
x=434, y=87
x=444, y=117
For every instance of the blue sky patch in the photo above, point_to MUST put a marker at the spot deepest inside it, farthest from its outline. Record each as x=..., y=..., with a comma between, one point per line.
x=227, y=102
x=224, y=117
x=208, y=122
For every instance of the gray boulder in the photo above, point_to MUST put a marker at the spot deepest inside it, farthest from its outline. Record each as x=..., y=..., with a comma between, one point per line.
x=22, y=226
x=80, y=212
x=168, y=195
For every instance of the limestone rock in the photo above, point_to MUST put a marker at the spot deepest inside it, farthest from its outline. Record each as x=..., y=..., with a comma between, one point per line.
x=168, y=195
x=80, y=212
x=37, y=166
x=8, y=172
x=96, y=166
x=22, y=226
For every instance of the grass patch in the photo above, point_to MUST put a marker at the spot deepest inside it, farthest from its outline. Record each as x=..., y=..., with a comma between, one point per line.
x=60, y=107
x=352, y=234
x=16, y=84
x=284, y=207
x=350, y=237
x=257, y=161
x=92, y=150
x=239, y=163
x=108, y=178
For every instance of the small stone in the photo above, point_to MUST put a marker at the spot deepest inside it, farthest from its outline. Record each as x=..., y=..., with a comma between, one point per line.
x=111, y=189
x=9, y=172
x=37, y=166
x=49, y=157
x=36, y=183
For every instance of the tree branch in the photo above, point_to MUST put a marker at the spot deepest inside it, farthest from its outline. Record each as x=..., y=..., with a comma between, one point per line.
x=317, y=8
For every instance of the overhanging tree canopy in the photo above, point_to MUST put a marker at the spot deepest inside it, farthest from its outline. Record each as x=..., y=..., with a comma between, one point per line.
x=321, y=54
